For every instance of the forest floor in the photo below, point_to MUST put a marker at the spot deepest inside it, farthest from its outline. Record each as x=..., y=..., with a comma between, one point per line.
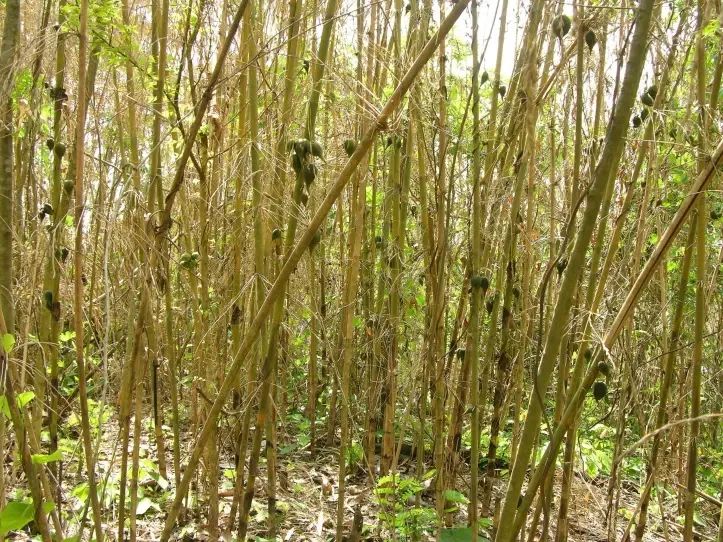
x=307, y=500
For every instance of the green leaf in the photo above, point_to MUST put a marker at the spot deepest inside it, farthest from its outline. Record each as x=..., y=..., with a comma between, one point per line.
x=42, y=459
x=458, y=534
x=455, y=496
x=15, y=516
x=8, y=341
x=24, y=398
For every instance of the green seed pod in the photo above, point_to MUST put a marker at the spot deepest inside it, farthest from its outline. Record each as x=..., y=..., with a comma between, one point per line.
x=317, y=150
x=604, y=368
x=644, y=114
x=484, y=78
x=636, y=121
x=276, y=234
x=349, y=146
x=478, y=281
x=646, y=99
x=561, y=26
x=59, y=149
x=599, y=390
x=590, y=39
x=502, y=90
x=653, y=91
x=47, y=209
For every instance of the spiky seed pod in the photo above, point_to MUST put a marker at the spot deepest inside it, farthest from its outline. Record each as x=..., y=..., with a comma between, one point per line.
x=637, y=121
x=349, y=146
x=484, y=78
x=646, y=99
x=477, y=281
x=644, y=114
x=276, y=234
x=590, y=39
x=599, y=390
x=561, y=26
x=460, y=353
x=59, y=149
x=309, y=174
x=604, y=368
x=48, y=209
x=652, y=91
x=502, y=90
x=317, y=150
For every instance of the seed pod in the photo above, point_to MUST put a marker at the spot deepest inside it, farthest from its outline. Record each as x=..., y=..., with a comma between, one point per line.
x=59, y=149
x=604, y=368
x=317, y=150
x=561, y=265
x=489, y=305
x=460, y=353
x=484, y=78
x=47, y=209
x=636, y=121
x=646, y=99
x=276, y=234
x=502, y=90
x=653, y=91
x=590, y=39
x=349, y=146
x=306, y=65
x=50, y=143
x=477, y=281
x=599, y=390
x=64, y=254
x=561, y=26
x=68, y=185
x=644, y=114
